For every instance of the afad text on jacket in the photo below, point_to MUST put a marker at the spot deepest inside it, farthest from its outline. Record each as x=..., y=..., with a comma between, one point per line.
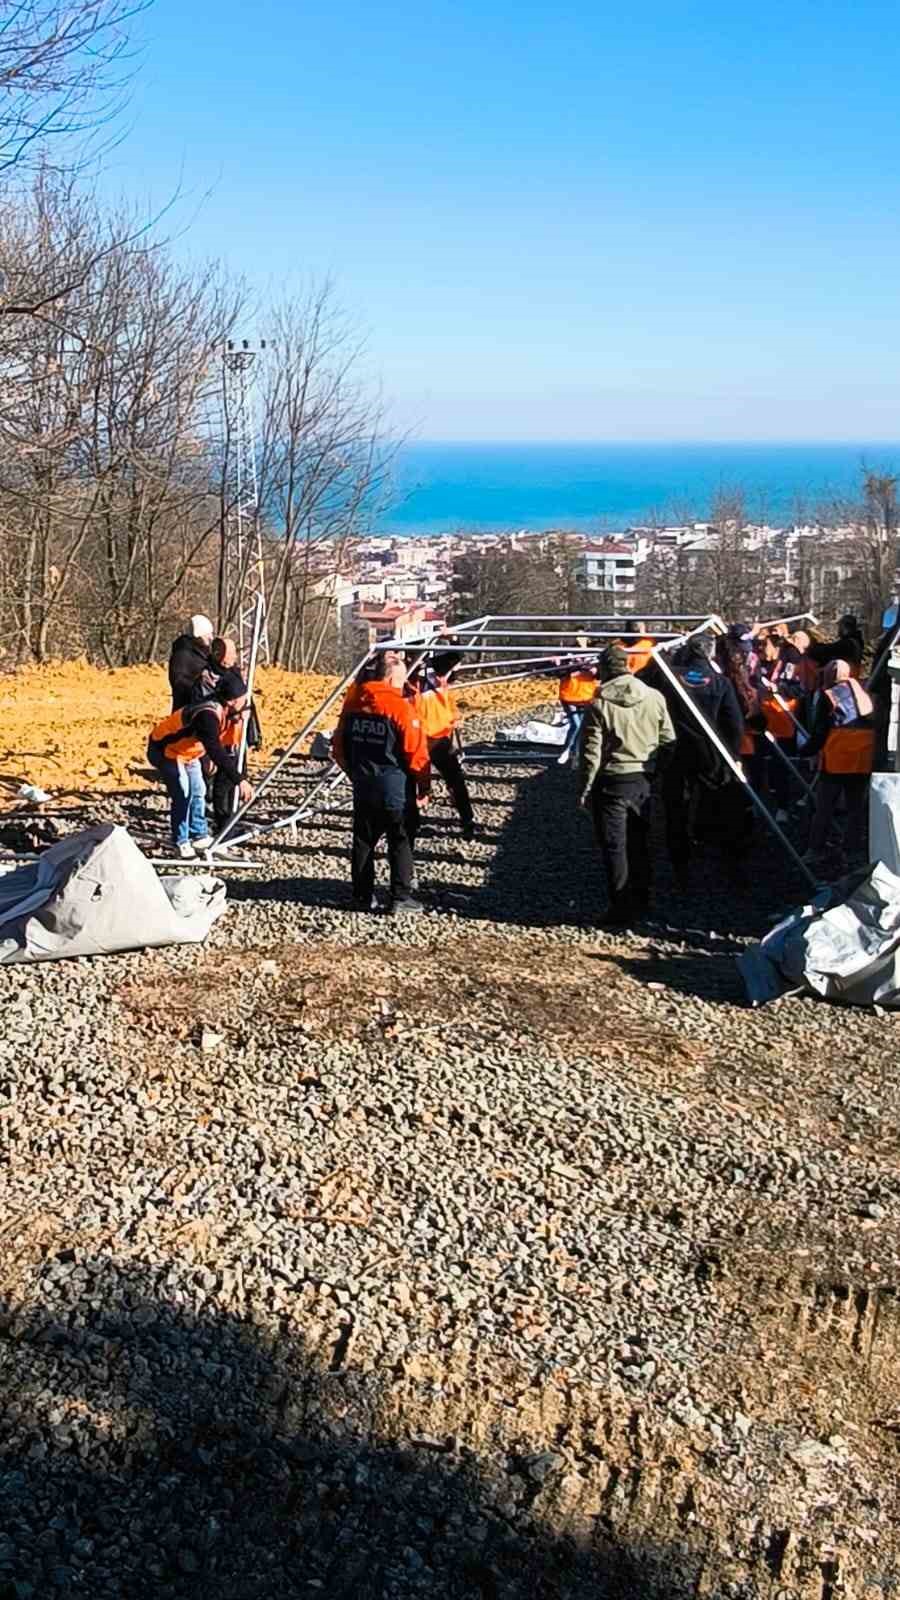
x=380, y=742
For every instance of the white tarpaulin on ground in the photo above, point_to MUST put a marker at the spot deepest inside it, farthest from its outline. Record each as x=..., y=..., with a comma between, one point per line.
x=884, y=819
x=95, y=893
x=844, y=945
x=550, y=734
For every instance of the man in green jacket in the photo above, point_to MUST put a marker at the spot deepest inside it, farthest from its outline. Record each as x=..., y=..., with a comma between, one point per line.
x=626, y=725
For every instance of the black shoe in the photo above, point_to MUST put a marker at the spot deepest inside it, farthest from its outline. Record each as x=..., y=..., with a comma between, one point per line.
x=409, y=906
x=365, y=906
x=468, y=832
x=613, y=919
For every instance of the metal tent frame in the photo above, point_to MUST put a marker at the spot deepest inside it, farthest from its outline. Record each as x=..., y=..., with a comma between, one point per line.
x=491, y=639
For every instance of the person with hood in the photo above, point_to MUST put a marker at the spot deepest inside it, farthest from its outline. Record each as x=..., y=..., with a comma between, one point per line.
x=697, y=767
x=176, y=749
x=626, y=725
x=380, y=744
x=843, y=737
x=189, y=659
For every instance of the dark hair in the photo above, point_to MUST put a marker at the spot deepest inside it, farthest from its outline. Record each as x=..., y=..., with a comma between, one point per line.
x=217, y=650
x=381, y=667
x=734, y=666
x=700, y=646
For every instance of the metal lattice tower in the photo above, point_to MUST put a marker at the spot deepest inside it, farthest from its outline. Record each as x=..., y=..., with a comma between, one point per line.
x=243, y=568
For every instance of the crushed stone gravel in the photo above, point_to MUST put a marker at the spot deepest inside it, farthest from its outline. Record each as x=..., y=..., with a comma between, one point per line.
x=486, y=1254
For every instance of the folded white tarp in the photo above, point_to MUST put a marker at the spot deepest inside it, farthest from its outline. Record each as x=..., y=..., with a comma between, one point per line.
x=844, y=945
x=552, y=735
x=884, y=819
x=94, y=893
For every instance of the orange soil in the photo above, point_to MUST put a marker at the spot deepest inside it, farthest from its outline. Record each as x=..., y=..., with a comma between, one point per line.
x=74, y=728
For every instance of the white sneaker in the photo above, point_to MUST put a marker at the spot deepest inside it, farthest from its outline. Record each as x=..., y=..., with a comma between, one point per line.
x=202, y=844
x=186, y=852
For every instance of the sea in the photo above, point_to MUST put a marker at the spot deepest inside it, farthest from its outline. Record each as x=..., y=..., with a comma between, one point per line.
x=605, y=488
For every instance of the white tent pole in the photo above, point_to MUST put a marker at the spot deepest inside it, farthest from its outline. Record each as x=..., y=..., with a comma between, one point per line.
x=258, y=618
x=771, y=739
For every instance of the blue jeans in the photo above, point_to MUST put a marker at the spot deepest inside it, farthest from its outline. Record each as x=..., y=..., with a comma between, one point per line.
x=575, y=715
x=187, y=792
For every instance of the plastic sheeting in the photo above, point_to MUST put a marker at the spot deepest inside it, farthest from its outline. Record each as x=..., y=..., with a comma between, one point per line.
x=884, y=819
x=552, y=735
x=844, y=945
x=95, y=893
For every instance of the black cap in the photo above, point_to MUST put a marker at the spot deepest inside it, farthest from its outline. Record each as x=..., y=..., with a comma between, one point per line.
x=230, y=686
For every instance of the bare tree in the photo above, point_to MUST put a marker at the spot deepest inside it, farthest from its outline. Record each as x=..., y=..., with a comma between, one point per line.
x=64, y=67
x=108, y=436
x=324, y=466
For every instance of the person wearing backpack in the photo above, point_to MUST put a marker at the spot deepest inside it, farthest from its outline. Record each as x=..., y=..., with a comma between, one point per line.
x=697, y=768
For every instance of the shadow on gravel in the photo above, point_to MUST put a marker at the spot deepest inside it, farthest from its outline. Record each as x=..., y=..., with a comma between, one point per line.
x=155, y=1445
x=711, y=976
x=547, y=870
x=333, y=893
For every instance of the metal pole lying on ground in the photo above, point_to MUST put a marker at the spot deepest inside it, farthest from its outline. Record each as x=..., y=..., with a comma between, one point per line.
x=286, y=754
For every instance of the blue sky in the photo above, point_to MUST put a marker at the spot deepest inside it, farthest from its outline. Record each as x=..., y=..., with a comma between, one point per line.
x=567, y=221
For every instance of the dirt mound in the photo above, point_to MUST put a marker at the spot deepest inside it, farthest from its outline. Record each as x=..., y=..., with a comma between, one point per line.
x=72, y=728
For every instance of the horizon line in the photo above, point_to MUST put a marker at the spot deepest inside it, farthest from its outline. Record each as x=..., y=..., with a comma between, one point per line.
x=769, y=444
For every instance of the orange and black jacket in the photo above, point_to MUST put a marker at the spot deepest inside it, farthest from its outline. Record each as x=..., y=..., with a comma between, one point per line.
x=380, y=742
x=195, y=731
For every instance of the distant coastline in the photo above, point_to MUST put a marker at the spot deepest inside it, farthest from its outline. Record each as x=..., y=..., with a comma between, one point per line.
x=604, y=488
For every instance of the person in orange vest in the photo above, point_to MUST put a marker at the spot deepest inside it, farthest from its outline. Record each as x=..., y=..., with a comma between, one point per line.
x=439, y=715
x=638, y=644
x=781, y=701
x=176, y=748
x=379, y=743
x=843, y=737
x=577, y=687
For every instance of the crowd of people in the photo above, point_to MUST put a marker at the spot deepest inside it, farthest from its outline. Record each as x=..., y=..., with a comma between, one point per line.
x=789, y=714
x=785, y=711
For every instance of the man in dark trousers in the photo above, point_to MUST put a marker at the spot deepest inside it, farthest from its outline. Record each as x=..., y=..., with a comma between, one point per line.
x=697, y=767
x=380, y=744
x=189, y=659
x=626, y=725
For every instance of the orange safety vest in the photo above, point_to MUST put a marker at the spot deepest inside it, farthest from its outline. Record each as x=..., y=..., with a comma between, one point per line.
x=174, y=734
x=577, y=688
x=850, y=748
x=779, y=724
x=233, y=729
x=438, y=712
x=639, y=654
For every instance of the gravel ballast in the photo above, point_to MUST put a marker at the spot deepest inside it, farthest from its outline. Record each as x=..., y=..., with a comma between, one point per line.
x=479, y=1253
